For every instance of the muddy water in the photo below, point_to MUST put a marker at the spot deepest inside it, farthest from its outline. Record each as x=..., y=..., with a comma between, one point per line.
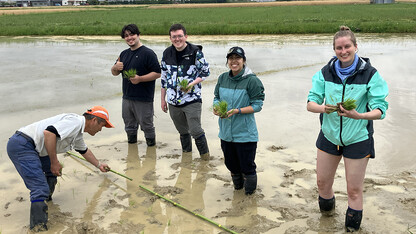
x=41, y=77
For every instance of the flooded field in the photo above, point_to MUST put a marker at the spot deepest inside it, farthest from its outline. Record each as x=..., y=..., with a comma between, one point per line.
x=41, y=77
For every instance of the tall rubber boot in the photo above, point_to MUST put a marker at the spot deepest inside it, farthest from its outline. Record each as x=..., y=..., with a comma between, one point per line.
x=52, y=180
x=202, y=145
x=238, y=181
x=151, y=141
x=327, y=206
x=38, y=216
x=353, y=219
x=186, y=142
x=132, y=138
x=250, y=183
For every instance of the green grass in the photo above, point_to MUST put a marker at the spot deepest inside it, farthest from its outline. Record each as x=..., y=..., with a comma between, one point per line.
x=366, y=18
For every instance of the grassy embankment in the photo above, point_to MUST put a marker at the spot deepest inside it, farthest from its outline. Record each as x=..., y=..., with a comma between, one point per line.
x=366, y=18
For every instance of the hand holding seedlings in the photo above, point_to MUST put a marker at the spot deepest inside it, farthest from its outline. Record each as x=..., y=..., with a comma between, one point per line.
x=56, y=168
x=221, y=109
x=184, y=86
x=128, y=74
x=348, y=104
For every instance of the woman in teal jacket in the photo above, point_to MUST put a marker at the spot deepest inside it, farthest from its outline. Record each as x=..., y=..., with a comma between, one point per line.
x=244, y=93
x=346, y=133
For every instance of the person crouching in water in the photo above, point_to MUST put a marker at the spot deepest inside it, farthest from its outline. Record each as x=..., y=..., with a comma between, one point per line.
x=33, y=150
x=244, y=94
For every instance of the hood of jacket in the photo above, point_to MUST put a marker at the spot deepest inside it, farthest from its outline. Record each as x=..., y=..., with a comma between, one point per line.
x=244, y=74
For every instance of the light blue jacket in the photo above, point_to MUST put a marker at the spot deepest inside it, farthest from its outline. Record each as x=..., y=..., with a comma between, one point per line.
x=240, y=91
x=365, y=85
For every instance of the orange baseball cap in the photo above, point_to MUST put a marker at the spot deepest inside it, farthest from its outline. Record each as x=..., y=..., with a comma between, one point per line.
x=101, y=112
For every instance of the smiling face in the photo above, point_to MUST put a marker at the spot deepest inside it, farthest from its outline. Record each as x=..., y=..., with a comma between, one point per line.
x=235, y=63
x=131, y=39
x=178, y=39
x=345, y=50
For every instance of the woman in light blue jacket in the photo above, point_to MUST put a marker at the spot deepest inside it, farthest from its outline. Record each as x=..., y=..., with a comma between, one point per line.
x=244, y=93
x=346, y=133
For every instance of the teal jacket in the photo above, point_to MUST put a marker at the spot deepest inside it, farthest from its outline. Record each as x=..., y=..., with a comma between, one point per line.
x=365, y=85
x=239, y=91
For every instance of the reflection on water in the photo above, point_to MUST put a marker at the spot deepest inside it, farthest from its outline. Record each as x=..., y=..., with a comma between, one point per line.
x=41, y=76
x=42, y=73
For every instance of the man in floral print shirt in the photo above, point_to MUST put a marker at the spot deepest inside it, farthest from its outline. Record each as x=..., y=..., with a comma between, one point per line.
x=184, y=61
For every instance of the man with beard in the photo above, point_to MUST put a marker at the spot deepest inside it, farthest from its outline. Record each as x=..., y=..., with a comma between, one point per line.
x=138, y=88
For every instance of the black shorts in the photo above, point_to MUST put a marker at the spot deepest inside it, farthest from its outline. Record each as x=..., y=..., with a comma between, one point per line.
x=362, y=149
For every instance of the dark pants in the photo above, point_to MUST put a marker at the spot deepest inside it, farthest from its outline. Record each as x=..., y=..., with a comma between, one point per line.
x=187, y=119
x=30, y=166
x=137, y=113
x=239, y=157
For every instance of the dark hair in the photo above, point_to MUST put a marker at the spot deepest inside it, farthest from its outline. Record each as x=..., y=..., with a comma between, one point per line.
x=344, y=31
x=131, y=28
x=176, y=27
x=90, y=117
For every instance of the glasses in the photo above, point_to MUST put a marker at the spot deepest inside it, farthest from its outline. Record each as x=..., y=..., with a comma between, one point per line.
x=177, y=37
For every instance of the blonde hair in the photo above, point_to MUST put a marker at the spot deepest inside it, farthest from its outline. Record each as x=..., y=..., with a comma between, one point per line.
x=344, y=31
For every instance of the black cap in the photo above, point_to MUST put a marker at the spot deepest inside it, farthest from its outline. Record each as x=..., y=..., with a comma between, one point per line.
x=238, y=51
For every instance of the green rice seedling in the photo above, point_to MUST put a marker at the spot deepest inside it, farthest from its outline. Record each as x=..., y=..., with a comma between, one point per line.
x=221, y=108
x=349, y=104
x=132, y=203
x=184, y=85
x=128, y=74
x=62, y=167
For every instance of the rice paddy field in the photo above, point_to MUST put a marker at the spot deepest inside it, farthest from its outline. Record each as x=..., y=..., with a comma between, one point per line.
x=202, y=19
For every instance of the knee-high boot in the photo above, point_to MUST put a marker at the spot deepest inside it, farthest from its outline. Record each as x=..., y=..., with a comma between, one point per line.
x=250, y=183
x=327, y=206
x=186, y=142
x=52, y=180
x=238, y=181
x=38, y=216
x=353, y=219
x=202, y=145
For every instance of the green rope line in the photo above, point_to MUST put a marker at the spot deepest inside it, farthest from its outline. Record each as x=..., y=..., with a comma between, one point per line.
x=82, y=158
x=196, y=214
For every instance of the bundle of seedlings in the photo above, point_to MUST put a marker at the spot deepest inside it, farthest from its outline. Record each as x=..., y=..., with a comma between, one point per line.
x=184, y=85
x=221, y=108
x=348, y=104
x=128, y=74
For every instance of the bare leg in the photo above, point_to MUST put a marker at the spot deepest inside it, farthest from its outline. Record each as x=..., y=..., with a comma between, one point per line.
x=326, y=167
x=355, y=173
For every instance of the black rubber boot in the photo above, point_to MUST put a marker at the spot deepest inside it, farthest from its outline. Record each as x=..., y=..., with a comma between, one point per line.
x=202, y=145
x=327, y=206
x=186, y=142
x=131, y=139
x=353, y=219
x=151, y=141
x=250, y=183
x=52, y=180
x=38, y=216
x=238, y=181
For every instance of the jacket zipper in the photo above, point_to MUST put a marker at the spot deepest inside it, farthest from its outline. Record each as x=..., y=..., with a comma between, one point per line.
x=340, y=118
